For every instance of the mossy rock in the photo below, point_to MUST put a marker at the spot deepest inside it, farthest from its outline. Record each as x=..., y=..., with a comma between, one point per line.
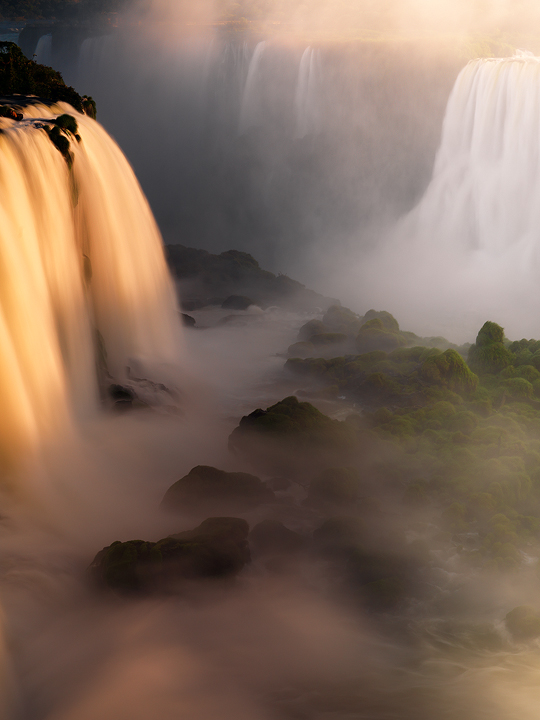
x=373, y=335
x=342, y=320
x=463, y=421
x=387, y=320
x=205, y=488
x=290, y=418
x=292, y=436
x=489, y=353
x=301, y=349
x=523, y=623
x=518, y=388
x=312, y=327
x=217, y=548
x=449, y=370
x=529, y=372
x=310, y=367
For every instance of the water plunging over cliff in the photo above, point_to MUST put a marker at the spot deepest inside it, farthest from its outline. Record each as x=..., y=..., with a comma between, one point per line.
x=472, y=244
x=84, y=281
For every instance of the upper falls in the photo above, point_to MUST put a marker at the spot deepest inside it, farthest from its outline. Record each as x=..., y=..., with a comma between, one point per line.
x=84, y=287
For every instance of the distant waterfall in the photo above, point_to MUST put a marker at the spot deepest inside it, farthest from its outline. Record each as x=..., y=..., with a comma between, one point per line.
x=83, y=278
x=43, y=54
x=307, y=95
x=485, y=192
x=470, y=250
x=250, y=109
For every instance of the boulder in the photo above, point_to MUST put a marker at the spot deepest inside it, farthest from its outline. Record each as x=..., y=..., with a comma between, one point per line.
x=340, y=319
x=187, y=320
x=312, y=327
x=217, y=548
x=206, y=488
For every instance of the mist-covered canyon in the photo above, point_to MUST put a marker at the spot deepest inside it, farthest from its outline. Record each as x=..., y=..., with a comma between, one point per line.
x=287, y=463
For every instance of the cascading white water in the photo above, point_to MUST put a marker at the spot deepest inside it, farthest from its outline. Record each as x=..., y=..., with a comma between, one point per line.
x=84, y=279
x=485, y=191
x=43, y=54
x=307, y=93
x=250, y=107
x=471, y=247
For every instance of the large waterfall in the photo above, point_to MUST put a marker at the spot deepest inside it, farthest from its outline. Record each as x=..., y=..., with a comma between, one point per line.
x=470, y=248
x=85, y=289
x=282, y=148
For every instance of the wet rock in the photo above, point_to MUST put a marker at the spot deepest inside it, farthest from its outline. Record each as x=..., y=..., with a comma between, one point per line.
x=122, y=397
x=217, y=548
x=187, y=320
x=205, y=488
x=313, y=327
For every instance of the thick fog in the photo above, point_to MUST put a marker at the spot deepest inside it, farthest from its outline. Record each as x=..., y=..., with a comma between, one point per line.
x=330, y=141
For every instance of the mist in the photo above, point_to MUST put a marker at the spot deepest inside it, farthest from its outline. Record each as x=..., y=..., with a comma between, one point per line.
x=363, y=149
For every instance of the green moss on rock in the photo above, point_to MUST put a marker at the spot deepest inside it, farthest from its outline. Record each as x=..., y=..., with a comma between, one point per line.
x=489, y=354
x=217, y=548
x=449, y=370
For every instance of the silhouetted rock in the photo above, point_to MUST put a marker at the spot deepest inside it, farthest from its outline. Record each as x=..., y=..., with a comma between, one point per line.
x=204, y=275
x=206, y=487
x=292, y=436
x=188, y=321
x=312, y=327
x=217, y=548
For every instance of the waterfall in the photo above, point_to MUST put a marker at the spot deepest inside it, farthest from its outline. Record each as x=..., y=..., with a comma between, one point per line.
x=251, y=100
x=84, y=279
x=470, y=251
x=43, y=54
x=307, y=93
x=485, y=191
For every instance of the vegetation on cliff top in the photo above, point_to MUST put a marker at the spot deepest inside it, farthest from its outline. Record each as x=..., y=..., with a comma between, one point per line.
x=20, y=76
